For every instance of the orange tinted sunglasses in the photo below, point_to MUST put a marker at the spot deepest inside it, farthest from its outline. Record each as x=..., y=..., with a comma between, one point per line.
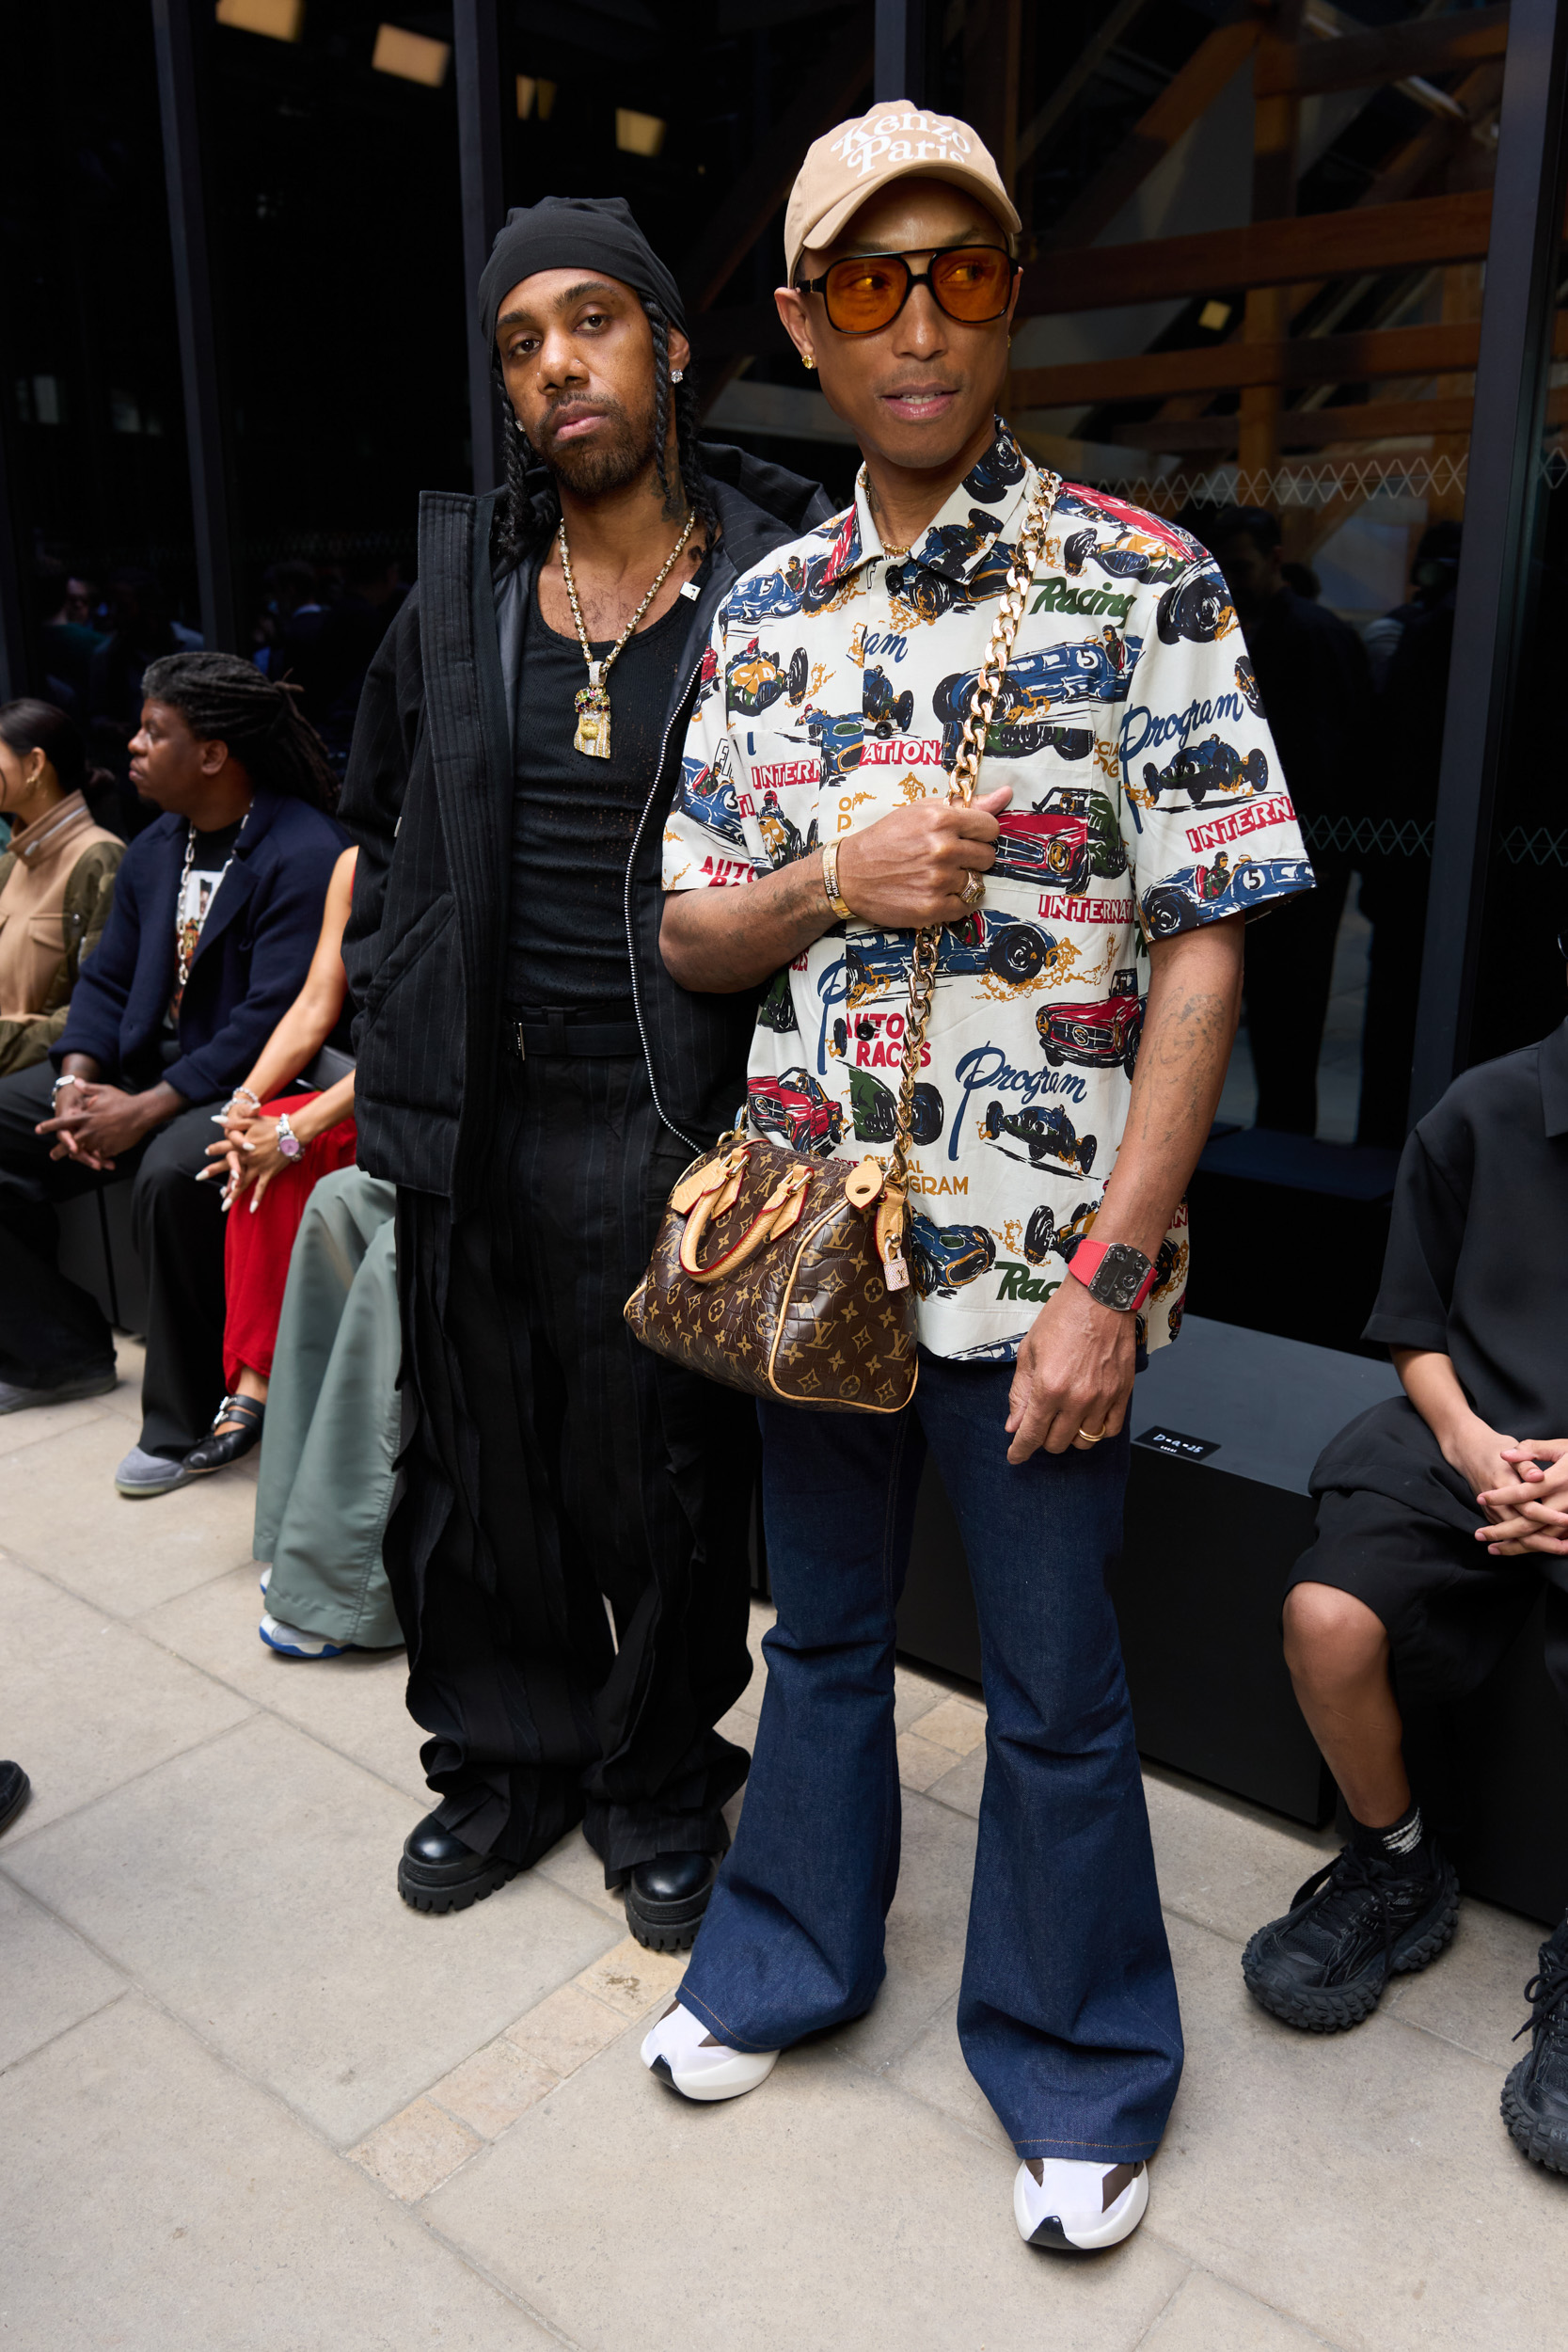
x=969, y=282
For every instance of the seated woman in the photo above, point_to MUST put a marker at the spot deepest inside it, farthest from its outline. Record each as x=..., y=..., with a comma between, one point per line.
x=56, y=878
x=330, y=1456
x=275, y=1151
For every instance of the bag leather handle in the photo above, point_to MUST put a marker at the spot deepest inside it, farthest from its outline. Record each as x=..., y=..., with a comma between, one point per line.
x=777, y=1213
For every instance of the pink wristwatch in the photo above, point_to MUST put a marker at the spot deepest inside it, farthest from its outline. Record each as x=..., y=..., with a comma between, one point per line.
x=288, y=1143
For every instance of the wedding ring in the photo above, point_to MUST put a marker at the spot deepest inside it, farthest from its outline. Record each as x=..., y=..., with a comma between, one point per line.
x=1091, y=1437
x=973, y=891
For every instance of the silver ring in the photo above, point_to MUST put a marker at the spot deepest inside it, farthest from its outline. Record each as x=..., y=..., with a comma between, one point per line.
x=973, y=891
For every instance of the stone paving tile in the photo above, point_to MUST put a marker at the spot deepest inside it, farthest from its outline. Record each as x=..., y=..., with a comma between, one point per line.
x=416, y=2150
x=1206, y=2316
x=920, y=1762
x=957, y=1724
x=959, y=1786
x=85, y=1703
x=566, y=2029
x=630, y=1979
x=52, y=1420
x=157, y=2201
x=828, y=2210
x=51, y=1980
x=489, y=2090
x=575, y=1866
x=1224, y=1864
x=271, y=1923
x=1361, y=2183
x=1473, y=1992
x=122, y=1556
x=932, y=2069
x=916, y=1695
x=353, y=1704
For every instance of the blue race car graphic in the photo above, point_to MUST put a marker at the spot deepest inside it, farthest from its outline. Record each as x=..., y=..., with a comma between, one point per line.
x=840, y=740
x=1212, y=765
x=1184, y=899
x=885, y=713
x=1246, y=686
x=995, y=474
x=1119, y=560
x=710, y=802
x=1045, y=1130
x=1198, y=607
x=1009, y=950
x=778, y=595
x=944, y=1258
x=1057, y=677
x=930, y=594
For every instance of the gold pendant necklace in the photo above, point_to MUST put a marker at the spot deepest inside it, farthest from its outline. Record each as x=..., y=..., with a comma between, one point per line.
x=593, y=700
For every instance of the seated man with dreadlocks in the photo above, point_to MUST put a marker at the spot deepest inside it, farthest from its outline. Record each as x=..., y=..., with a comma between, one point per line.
x=217, y=910
x=533, y=1082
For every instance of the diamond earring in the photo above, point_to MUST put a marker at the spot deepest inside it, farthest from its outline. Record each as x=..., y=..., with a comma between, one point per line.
x=676, y=375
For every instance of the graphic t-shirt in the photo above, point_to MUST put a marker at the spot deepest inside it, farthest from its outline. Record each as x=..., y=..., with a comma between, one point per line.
x=199, y=888
x=1147, y=798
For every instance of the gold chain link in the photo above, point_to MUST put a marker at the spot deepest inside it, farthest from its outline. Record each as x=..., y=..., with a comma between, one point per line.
x=966, y=771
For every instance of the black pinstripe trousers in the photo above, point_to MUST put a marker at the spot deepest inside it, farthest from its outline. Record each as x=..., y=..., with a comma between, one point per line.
x=551, y=1465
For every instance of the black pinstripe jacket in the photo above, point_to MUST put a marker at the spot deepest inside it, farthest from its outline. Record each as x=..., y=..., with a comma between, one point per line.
x=428, y=798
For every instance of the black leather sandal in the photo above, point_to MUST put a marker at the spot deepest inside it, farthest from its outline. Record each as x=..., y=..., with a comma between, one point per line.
x=221, y=1446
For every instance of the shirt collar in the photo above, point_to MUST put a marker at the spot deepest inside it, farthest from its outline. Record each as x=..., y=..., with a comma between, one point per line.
x=1553, y=1066
x=979, y=511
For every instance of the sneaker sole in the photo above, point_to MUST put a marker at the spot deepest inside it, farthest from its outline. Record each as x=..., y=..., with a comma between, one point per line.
x=70, y=1393
x=1050, y=2233
x=424, y=1896
x=1541, y=2147
x=149, y=1494
x=1332, y=2009
x=287, y=1649
x=745, y=2071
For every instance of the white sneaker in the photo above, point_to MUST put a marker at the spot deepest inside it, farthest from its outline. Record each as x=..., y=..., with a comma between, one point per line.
x=682, y=2052
x=265, y=1579
x=293, y=1642
x=1077, y=2207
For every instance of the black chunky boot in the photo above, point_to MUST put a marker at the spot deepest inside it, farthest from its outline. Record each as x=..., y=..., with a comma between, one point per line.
x=1535, y=2096
x=1356, y=1922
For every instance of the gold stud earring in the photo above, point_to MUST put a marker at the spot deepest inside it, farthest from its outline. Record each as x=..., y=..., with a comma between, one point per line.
x=806, y=359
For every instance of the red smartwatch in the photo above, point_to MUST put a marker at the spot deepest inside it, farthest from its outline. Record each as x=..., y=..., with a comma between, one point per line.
x=1114, y=1272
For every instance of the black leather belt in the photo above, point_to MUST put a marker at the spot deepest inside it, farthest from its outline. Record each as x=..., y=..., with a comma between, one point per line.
x=602, y=1031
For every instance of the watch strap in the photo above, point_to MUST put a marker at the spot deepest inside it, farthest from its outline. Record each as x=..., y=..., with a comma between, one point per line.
x=1118, y=1283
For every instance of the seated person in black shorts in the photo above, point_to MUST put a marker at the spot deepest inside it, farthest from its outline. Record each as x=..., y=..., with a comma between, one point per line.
x=1436, y=1528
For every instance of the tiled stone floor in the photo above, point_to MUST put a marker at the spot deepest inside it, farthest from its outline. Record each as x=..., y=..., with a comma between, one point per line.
x=247, y=2099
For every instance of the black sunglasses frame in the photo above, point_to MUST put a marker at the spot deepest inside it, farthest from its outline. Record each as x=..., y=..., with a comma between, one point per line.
x=915, y=277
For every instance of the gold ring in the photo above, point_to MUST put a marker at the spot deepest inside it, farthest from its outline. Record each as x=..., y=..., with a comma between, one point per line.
x=1091, y=1437
x=973, y=891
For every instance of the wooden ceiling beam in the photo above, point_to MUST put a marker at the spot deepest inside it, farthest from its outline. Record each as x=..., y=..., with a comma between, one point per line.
x=1412, y=235
x=1434, y=44
x=1185, y=98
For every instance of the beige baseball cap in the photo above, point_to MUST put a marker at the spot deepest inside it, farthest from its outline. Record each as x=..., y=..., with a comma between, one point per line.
x=890, y=142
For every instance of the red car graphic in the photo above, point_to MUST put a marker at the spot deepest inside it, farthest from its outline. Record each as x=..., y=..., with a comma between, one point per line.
x=795, y=1110
x=1097, y=1036
x=1050, y=846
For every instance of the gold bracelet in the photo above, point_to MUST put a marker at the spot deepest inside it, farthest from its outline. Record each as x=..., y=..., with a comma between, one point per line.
x=830, y=882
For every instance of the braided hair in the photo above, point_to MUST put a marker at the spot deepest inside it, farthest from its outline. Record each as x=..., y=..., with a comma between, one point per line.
x=529, y=513
x=224, y=699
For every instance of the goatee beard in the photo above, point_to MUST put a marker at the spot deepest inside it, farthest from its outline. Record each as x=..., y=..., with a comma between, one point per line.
x=609, y=462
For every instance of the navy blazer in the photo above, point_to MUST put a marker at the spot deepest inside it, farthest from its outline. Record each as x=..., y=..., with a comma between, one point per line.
x=249, y=964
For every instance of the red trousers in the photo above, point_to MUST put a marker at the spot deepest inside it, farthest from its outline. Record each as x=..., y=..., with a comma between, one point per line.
x=257, y=1246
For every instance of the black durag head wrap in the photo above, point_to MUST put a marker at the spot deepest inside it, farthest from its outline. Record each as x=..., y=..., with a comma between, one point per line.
x=574, y=232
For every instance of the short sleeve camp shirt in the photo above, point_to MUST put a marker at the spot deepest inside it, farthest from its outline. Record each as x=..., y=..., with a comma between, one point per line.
x=1147, y=798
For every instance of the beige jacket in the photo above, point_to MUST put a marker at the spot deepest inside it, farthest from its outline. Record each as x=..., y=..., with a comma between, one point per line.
x=56, y=883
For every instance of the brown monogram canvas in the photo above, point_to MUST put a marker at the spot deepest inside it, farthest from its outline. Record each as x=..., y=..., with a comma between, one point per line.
x=809, y=1318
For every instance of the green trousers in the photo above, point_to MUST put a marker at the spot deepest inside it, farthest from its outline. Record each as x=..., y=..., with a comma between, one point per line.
x=325, y=1484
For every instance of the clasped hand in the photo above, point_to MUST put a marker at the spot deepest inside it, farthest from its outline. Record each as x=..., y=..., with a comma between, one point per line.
x=913, y=866
x=1530, y=1512
x=245, y=1154
x=91, y=1123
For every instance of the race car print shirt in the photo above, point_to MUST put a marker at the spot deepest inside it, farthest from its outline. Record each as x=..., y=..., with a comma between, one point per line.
x=1147, y=798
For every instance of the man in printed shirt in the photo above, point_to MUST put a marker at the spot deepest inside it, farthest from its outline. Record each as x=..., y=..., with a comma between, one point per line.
x=1129, y=811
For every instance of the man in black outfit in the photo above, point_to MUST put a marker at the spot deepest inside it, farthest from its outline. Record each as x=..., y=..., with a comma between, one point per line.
x=1311, y=673
x=1429, y=1508
x=216, y=911
x=568, y=1555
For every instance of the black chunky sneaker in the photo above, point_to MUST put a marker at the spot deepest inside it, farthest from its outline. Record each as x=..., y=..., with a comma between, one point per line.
x=439, y=1872
x=666, y=1899
x=1356, y=1923
x=1535, y=2096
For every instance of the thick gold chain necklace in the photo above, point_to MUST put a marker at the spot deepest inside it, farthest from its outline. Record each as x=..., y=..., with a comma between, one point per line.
x=593, y=700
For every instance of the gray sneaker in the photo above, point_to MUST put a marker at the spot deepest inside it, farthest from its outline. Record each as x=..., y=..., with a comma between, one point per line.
x=15, y=1400
x=142, y=1474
